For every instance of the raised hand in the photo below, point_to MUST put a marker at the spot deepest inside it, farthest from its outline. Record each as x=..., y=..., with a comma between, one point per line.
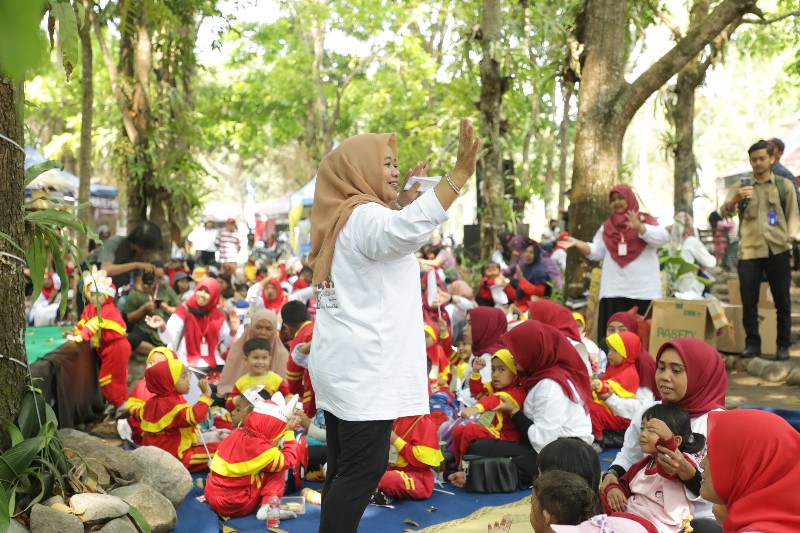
x=467, y=155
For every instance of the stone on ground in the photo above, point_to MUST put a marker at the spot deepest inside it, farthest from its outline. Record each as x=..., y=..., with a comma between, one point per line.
x=99, y=507
x=45, y=519
x=156, y=509
x=163, y=472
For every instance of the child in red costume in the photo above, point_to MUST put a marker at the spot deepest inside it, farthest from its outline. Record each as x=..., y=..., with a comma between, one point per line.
x=257, y=358
x=440, y=365
x=140, y=393
x=620, y=378
x=250, y=464
x=646, y=489
x=415, y=450
x=171, y=424
x=504, y=383
x=106, y=331
x=492, y=277
x=298, y=322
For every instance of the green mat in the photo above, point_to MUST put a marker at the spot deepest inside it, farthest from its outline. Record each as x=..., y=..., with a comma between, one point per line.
x=40, y=341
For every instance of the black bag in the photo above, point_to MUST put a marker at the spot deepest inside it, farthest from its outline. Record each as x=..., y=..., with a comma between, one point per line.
x=490, y=475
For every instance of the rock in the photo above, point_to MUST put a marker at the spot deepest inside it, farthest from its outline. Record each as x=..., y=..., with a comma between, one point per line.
x=53, y=500
x=729, y=361
x=163, y=472
x=16, y=527
x=794, y=377
x=757, y=365
x=777, y=372
x=99, y=471
x=157, y=509
x=45, y=519
x=112, y=457
x=740, y=364
x=99, y=507
x=120, y=525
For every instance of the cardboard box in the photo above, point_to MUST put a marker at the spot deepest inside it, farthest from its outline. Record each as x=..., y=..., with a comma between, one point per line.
x=673, y=319
x=768, y=330
x=765, y=299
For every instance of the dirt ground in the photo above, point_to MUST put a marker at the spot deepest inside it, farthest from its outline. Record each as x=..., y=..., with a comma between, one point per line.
x=744, y=389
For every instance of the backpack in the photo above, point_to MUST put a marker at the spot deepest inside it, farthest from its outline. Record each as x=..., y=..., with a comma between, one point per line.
x=444, y=401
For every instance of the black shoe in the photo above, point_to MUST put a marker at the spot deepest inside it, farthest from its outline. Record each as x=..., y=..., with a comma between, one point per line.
x=381, y=498
x=750, y=351
x=782, y=353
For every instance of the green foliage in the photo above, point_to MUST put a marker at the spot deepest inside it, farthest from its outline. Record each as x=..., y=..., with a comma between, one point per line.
x=138, y=519
x=35, y=464
x=678, y=270
x=22, y=45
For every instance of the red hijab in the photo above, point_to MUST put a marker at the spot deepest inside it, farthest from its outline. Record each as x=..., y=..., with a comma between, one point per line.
x=630, y=348
x=705, y=373
x=280, y=299
x=753, y=456
x=645, y=363
x=488, y=324
x=202, y=323
x=544, y=353
x=160, y=380
x=558, y=316
x=616, y=227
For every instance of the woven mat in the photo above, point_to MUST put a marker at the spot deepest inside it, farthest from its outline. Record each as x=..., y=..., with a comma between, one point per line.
x=478, y=521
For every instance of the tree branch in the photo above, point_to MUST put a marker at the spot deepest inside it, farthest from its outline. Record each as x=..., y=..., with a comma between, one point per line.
x=666, y=19
x=634, y=95
x=773, y=20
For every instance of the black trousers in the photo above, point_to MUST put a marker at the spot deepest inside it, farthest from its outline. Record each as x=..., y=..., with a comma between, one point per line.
x=776, y=270
x=611, y=306
x=358, y=453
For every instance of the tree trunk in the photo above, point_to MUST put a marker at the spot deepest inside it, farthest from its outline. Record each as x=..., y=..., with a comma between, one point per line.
x=563, y=144
x=549, y=167
x=490, y=108
x=87, y=101
x=683, y=119
x=316, y=111
x=12, y=283
x=607, y=103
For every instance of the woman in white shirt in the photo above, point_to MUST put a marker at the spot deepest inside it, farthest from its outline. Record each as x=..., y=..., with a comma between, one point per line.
x=367, y=359
x=626, y=245
x=557, y=404
x=689, y=373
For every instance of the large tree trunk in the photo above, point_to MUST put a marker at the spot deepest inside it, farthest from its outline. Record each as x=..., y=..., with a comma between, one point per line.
x=563, y=144
x=607, y=103
x=12, y=283
x=683, y=119
x=316, y=112
x=490, y=108
x=87, y=101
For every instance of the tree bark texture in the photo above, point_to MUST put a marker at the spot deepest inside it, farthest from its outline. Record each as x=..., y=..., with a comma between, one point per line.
x=490, y=109
x=87, y=101
x=12, y=284
x=683, y=121
x=567, y=88
x=607, y=103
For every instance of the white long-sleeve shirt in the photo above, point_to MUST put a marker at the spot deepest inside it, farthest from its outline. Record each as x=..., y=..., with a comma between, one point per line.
x=554, y=415
x=173, y=331
x=368, y=359
x=641, y=278
x=694, y=251
x=631, y=453
x=628, y=407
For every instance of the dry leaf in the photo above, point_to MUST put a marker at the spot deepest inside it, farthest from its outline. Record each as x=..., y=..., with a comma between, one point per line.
x=409, y=521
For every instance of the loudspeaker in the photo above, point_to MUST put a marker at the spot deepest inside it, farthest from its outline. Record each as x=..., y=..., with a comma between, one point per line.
x=472, y=242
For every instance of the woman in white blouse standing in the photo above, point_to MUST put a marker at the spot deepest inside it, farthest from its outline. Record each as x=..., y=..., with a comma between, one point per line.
x=626, y=245
x=367, y=360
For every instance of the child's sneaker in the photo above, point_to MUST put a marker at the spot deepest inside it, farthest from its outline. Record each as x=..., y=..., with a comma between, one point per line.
x=381, y=498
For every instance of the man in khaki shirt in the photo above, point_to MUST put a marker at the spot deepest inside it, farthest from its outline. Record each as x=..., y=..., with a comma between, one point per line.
x=767, y=229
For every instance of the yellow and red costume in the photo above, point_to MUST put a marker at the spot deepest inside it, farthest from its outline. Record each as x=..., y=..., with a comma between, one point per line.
x=298, y=377
x=418, y=450
x=248, y=467
x=139, y=396
x=501, y=428
x=107, y=333
x=438, y=358
x=622, y=380
x=171, y=424
x=271, y=382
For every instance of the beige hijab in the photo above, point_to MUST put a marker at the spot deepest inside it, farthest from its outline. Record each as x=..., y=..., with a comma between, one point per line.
x=235, y=365
x=349, y=175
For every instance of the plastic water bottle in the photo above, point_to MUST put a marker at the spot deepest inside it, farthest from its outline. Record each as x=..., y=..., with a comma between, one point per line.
x=273, y=511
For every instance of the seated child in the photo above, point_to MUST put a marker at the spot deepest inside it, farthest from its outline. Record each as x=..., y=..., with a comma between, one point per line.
x=299, y=325
x=620, y=378
x=140, y=393
x=440, y=365
x=414, y=452
x=494, y=289
x=646, y=490
x=250, y=270
x=250, y=465
x=597, y=357
x=171, y=424
x=103, y=325
x=257, y=358
x=563, y=498
x=504, y=383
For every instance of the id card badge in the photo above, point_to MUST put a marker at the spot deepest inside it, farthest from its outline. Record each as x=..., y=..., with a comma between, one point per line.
x=622, y=249
x=772, y=217
x=204, y=348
